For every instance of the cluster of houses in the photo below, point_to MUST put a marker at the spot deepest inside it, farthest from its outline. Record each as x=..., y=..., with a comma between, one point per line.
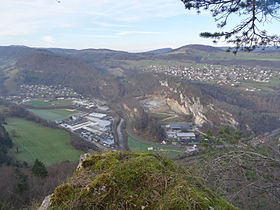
x=93, y=127
x=230, y=75
x=181, y=133
x=46, y=91
x=50, y=93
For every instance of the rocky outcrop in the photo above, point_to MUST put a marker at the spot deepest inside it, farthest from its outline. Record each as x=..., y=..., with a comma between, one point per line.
x=124, y=180
x=46, y=203
x=82, y=158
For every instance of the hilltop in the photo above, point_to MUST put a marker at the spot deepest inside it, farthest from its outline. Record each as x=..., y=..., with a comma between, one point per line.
x=119, y=180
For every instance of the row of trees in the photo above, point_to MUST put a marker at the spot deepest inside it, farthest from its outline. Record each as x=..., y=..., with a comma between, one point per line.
x=147, y=124
x=26, y=187
x=5, y=142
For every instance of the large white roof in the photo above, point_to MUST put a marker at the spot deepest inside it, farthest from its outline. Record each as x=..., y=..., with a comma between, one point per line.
x=185, y=134
x=98, y=115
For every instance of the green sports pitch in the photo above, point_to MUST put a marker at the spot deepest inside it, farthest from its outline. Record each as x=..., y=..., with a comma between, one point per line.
x=44, y=103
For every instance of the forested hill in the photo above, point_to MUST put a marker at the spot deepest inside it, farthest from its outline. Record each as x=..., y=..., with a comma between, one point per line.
x=5, y=143
x=45, y=67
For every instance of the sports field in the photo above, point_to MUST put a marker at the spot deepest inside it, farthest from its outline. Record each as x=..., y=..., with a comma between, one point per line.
x=65, y=102
x=139, y=146
x=39, y=103
x=53, y=114
x=43, y=103
x=36, y=141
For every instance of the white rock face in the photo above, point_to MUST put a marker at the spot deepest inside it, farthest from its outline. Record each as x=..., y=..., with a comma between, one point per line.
x=192, y=105
x=176, y=107
x=164, y=83
x=82, y=158
x=46, y=203
x=189, y=106
x=197, y=109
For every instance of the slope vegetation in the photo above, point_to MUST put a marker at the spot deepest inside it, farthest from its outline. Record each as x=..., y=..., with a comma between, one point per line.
x=120, y=180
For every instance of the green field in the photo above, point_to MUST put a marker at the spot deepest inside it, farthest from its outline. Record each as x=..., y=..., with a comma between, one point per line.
x=160, y=116
x=36, y=141
x=52, y=114
x=146, y=63
x=252, y=56
x=66, y=102
x=41, y=103
x=266, y=87
x=2, y=107
x=139, y=146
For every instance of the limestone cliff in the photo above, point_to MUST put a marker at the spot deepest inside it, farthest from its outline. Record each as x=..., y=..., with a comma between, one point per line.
x=181, y=100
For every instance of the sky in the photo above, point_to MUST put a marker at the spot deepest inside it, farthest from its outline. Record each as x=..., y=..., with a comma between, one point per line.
x=128, y=25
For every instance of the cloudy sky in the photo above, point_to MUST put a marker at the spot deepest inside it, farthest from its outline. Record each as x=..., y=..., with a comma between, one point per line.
x=131, y=25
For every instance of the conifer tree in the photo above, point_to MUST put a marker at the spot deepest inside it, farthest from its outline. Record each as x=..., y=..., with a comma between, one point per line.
x=39, y=169
x=253, y=14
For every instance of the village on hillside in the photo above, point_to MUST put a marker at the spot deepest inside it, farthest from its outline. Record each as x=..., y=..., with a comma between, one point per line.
x=223, y=75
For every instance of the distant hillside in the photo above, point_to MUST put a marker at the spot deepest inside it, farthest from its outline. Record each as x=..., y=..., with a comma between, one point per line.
x=160, y=51
x=196, y=48
x=104, y=60
x=12, y=52
x=203, y=54
x=45, y=67
x=9, y=54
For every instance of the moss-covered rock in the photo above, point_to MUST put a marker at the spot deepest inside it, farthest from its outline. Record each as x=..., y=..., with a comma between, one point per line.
x=123, y=180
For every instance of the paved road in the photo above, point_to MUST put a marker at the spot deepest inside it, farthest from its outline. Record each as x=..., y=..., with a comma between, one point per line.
x=121, y=139
x=260, y=140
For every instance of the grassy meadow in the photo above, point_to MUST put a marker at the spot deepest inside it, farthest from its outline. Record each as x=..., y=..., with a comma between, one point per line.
x=265, y=87
x=35, y=141
x=52, y=114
